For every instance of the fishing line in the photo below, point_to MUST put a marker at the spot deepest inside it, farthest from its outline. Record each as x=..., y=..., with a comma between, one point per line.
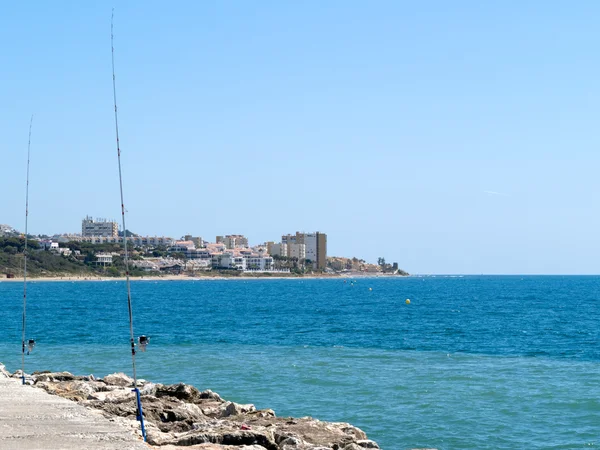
x=25, y=258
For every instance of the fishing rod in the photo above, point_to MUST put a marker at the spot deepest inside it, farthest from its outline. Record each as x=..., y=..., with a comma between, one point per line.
x=31, y=342
x=140, y=414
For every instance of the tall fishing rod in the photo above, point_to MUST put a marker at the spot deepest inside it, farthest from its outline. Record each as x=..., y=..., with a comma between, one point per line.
x=140, y=414
x=25, y=258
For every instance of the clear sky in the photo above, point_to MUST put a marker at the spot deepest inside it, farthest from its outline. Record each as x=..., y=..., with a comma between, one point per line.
x=452, y=137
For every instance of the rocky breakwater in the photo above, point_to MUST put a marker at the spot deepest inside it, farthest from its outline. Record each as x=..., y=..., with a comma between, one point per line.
x=180, y=415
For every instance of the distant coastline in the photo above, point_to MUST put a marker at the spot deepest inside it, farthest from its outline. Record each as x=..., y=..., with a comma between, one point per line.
x=199, y=278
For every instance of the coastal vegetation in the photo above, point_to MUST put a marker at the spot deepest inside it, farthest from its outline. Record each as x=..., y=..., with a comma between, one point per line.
x=39, y=262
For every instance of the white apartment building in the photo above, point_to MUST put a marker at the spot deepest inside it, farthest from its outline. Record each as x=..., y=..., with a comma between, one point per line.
x=150, y=241
x=261, y=263
x=104, y=259
x=310, y=241
x=233, y=262
x=99, y=227
x=182, y=247
x=136, y=241
x=48, y=245
x=199, y=264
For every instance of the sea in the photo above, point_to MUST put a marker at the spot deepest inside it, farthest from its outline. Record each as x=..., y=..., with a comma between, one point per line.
x=472, y=362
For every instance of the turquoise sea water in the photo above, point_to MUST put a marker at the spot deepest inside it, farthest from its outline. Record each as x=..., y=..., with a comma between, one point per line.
x=472, y=363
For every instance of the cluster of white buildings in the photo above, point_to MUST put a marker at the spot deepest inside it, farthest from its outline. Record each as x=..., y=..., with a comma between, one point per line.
x=47, y=244
x=232, y=255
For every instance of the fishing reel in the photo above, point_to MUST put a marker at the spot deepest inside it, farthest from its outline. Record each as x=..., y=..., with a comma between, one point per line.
x=143, y=342
x=30, y=345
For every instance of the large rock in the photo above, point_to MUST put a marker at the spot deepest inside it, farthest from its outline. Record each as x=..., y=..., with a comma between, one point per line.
x=352, y=446
x=54, y=376
x=262, y=413
x=180, y=391
x=113, y=396
x=148, y=389
x=72, y=390
x=210, y=395
x=185, y=412
x=159, y=438
x=235, y=409
x=118, y=379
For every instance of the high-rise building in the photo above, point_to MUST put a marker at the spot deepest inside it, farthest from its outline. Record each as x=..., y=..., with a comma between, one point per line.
x=321, y=251
x=99, y=228
x=315, y=247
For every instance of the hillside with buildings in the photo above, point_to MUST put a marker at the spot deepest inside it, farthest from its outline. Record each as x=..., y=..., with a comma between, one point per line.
x=98, y=250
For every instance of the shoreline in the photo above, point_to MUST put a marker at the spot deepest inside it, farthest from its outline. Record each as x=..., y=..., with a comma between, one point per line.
x=192, y=278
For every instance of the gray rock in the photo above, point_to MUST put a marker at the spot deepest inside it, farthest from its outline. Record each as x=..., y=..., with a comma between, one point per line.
x=148, y=389
x=118, y=379
x=158, y=438
x=235, y=409
x=367, y=443
x=181, y=391
x=262, y=413
x=187, y=412
x=54, y=376
x=72, y=390
x=114, y=396
x=291, y=441
x=353, y=446
x=295, y=443
x=210, y=395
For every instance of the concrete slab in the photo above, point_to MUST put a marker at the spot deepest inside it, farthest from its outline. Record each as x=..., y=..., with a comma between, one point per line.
x=32, y=419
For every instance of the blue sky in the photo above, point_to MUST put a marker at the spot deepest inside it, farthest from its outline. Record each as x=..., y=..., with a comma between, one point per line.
x=452, y=137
